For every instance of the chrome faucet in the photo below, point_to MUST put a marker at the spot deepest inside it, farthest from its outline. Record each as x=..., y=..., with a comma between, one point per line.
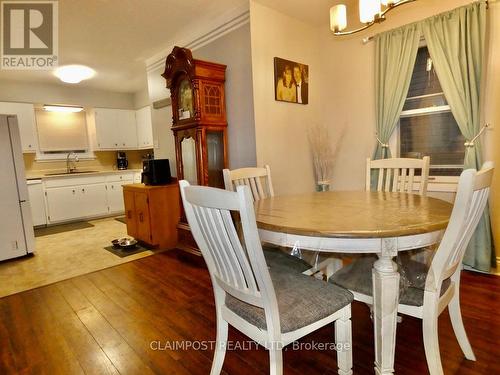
x=69, y=168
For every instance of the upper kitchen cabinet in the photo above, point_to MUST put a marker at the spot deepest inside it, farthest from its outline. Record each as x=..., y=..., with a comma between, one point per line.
x=25, y=113
x=144, y=127
x=116, y=129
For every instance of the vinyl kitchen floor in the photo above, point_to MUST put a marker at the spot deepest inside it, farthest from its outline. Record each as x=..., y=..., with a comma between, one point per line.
x=64, y=255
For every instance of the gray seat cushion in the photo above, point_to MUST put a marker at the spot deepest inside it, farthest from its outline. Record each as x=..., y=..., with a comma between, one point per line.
x=357, y=277
x=302, y=300
x=277, y=258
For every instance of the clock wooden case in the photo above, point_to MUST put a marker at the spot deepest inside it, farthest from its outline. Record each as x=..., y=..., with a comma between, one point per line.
x=199, y=125
x=199, y=119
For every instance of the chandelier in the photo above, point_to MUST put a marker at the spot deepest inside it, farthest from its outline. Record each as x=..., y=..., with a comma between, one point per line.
x=370, y=13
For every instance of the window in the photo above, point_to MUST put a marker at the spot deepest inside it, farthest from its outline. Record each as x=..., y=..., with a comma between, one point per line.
x=427, y=126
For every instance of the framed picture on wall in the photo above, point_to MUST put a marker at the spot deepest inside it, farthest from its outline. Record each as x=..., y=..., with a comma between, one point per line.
x=291, y=81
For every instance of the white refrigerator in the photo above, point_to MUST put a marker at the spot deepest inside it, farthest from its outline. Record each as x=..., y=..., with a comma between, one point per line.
x=16, y=229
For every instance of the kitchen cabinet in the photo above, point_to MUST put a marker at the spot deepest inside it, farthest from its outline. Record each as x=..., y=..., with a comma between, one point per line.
x=63, y=204
x=126, y=128
x=76, y=202
x=93, y=200
x=80, y=197
x=116, y=129
x=105, y=121
x=144, y=128
x=25, y=113
x=114, y=191
x=152, y=213
x=37, y=202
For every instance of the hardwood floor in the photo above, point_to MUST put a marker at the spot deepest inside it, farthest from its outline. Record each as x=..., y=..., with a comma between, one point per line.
x=107, y=322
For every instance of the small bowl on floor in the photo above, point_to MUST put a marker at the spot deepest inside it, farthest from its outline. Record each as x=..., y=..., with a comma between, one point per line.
x=124, y=243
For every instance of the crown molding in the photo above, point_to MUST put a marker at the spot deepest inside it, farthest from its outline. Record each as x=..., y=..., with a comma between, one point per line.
x=203, y=34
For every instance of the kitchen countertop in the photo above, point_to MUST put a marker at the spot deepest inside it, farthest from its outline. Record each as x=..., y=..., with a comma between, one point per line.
x=43, y=174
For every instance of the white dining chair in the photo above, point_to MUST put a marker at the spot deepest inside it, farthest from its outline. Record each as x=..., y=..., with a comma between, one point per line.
x=432, y=289
x=257, y=179
x=398, y=174
x=261, y=186
x=270, y=305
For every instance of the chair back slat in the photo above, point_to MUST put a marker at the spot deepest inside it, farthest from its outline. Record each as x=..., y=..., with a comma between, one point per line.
x=240, y=252
x=402, y=184
x=395, y=181
x=470, y=202
x=237, y=268
x=206, y=229
x=380, y=179
x=251, y=177
x=411, y=178
x=398, y=174
x=388, y=180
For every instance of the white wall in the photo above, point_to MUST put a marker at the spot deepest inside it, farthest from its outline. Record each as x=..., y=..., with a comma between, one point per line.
x=280, y=127
x=162, y=119
x=234, y=50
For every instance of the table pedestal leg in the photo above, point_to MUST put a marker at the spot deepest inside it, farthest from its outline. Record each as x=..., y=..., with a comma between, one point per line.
x=385, y=302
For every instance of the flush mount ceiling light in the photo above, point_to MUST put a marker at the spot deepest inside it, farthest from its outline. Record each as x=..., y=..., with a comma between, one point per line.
x=74, y=73
x=370, y=13
x=62, y=108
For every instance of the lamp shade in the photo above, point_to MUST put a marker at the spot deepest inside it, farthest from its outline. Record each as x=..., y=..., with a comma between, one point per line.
x=368, y=9
x=338, y=17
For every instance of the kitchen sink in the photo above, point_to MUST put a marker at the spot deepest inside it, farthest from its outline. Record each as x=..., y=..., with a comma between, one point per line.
x=69, y=173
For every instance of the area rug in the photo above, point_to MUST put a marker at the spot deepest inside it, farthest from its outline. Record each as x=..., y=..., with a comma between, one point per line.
x=56, y=229
x=121, y=219
x=122, y=253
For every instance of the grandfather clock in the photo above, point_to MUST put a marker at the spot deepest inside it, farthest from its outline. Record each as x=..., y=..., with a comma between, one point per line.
x=199, y=123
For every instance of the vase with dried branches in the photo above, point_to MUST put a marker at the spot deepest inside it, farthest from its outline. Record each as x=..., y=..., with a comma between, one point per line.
x=324, y=149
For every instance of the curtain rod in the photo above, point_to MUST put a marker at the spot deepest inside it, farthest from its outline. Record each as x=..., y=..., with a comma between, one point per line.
x=368, y=39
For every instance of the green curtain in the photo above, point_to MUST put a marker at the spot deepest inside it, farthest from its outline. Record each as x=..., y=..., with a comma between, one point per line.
x=456, y=43
x=395, y=55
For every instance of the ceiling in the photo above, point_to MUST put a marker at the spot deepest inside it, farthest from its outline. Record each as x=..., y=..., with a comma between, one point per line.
x=313, y=11
x=115, y=37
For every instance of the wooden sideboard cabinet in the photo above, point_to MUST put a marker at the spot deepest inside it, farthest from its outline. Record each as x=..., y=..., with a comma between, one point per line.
x=152, y=213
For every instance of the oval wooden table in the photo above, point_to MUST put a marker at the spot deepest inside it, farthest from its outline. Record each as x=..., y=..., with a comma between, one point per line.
x=359, y=222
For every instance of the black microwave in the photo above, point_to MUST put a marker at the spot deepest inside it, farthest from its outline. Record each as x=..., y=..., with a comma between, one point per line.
x=156, y=172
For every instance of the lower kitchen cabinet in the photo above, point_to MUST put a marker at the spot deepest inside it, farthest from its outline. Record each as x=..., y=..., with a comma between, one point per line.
x=114, y=191
x=152, y=213
x=93, y=200
x=37, y=203
x=115, y=197
x=82, y=197
x=74, y=202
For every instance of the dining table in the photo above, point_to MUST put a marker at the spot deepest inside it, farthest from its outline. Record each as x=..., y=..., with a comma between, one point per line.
x=359, y=222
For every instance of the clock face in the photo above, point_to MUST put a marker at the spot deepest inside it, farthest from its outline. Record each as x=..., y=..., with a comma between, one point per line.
x=186, y=109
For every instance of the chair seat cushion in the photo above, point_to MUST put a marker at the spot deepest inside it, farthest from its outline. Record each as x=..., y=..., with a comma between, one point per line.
x=302, y=300
x=357, y=277
x=277, y=258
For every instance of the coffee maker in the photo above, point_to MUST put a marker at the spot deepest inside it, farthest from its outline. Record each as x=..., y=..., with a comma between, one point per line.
x=121, y=160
